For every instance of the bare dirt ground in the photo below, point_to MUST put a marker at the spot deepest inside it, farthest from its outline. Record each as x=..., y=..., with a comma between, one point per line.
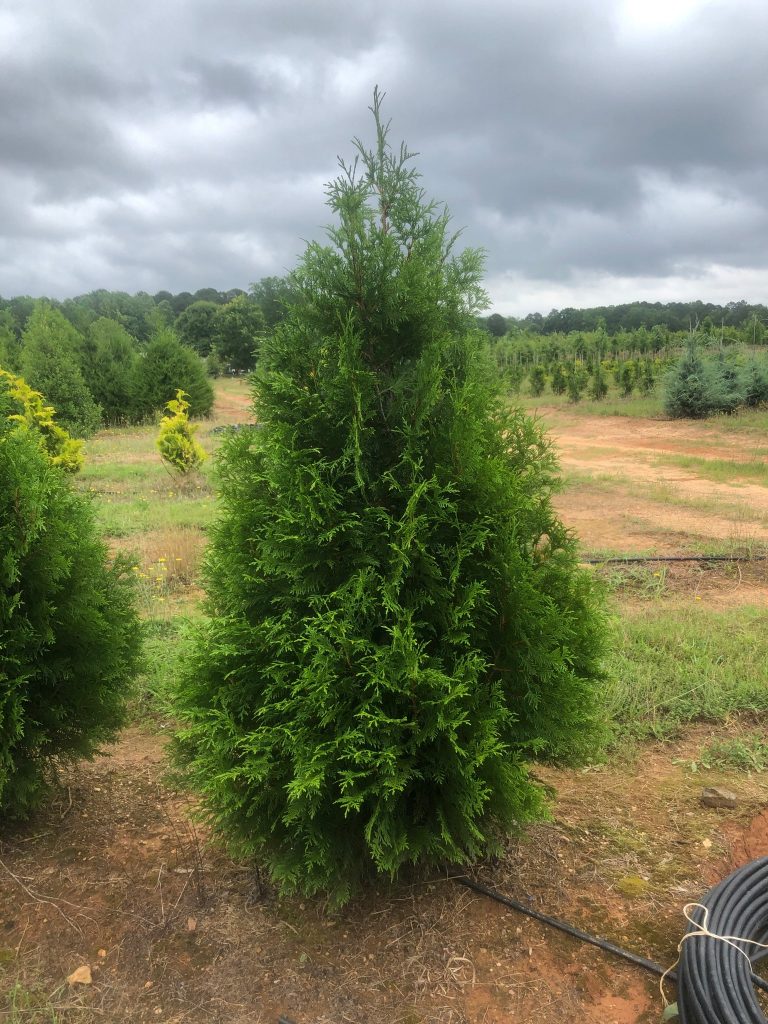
x=620, y=500
x=624, y=498
x=114, y=876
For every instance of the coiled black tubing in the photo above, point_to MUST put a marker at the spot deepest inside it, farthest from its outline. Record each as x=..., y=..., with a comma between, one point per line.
x=715, y=983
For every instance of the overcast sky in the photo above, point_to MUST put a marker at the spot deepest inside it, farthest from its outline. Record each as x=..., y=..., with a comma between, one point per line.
x=599, y=150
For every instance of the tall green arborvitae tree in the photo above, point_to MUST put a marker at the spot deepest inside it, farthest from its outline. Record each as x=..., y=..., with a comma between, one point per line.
x=397, y=619
x=69, y=628
x=50, y=363
x=166, y=366
x=111, y=371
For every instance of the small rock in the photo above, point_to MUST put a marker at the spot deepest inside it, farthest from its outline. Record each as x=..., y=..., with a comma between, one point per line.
x=191, y=924
x=82, y=976
x=716, y=796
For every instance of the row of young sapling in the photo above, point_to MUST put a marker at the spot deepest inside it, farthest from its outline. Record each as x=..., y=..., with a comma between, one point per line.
x=694, y=384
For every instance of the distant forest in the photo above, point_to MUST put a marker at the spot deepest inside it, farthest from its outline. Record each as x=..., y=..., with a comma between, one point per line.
x=141, y=314
x=630, y=316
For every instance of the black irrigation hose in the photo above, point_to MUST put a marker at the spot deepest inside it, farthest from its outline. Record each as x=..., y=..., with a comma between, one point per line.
x=715, y=979
x=677, y=558
x=754, y=896
x=554, y=922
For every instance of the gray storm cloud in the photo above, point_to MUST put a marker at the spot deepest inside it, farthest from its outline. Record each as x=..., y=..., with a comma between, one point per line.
x=187, y=146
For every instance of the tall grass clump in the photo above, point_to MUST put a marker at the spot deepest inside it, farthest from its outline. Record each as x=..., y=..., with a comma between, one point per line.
x=397, y=618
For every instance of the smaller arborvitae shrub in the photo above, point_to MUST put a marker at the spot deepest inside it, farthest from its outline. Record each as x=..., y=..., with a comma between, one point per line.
x=69, y=631
x=165, y=366
x=513, y=375
x=538, y=380
x=598, y=385
x=576, y=380
x=559, y=380
x=626, y=380
x=176, y=440
x=21, y=404
x=646, y=378
x=754, y=383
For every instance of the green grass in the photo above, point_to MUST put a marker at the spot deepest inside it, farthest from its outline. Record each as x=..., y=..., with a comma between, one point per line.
x=163, y=651
x=22, y=1004
x=745, y=421
x=719, y=470
x=646, y=407
x=137, y=515
x=745, y=754
x=671, y=665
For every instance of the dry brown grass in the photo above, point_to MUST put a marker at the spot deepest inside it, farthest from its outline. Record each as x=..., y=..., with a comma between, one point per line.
x=170, y=557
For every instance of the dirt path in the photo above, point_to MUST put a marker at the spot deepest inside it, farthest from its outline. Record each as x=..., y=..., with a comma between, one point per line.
x=621, y=499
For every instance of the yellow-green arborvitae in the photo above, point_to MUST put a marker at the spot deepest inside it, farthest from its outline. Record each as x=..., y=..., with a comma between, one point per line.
x=176, y=440
x=22, y=404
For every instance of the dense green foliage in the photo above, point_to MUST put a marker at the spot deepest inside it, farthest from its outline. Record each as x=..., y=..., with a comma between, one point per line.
x=698, y=387
x=111, y=372
x=69, y=632
x=196, y=326
x=239, y=326
x=397, y=617
x=165, y=366
x=51, y=364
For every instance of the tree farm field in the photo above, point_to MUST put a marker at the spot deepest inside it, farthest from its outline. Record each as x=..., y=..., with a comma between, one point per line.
x=116, y=875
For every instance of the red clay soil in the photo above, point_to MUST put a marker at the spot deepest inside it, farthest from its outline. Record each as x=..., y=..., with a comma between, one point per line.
x=627, y=500
x=114, y=876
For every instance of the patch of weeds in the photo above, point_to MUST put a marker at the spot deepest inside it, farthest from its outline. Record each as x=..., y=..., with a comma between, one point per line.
x=22, y=1004
x=163, y=644
x=746, y=754
x=123, y=518
x=719, y=470
x=641, y=580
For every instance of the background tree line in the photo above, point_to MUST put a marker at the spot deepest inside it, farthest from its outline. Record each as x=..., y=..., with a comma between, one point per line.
x=629, y=316
x=109, y=358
